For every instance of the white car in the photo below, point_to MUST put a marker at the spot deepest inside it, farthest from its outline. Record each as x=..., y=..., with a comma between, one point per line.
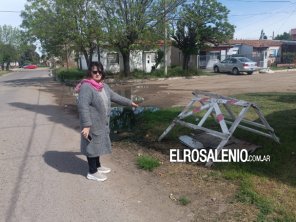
x=236, y=65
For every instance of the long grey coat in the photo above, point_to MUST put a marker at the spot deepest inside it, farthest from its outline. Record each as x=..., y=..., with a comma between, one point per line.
x=93, y=114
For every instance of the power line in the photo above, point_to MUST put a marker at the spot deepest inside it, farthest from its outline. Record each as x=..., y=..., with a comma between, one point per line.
x=10, y=11
x=262, y=13
x=264, y=1
x=287, y=17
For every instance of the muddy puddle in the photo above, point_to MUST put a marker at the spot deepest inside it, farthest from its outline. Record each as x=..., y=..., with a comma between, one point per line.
x=124, y=117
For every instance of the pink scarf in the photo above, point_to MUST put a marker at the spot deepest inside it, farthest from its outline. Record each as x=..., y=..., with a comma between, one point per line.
x=96, y=85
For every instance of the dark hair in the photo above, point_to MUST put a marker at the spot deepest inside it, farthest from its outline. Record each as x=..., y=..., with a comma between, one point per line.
x=99, y=66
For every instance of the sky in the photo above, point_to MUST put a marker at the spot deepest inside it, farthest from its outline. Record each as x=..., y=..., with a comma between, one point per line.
x=249, y=16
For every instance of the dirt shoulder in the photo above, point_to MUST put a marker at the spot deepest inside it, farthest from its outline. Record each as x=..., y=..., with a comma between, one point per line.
x=177, y=92
x=212, y=198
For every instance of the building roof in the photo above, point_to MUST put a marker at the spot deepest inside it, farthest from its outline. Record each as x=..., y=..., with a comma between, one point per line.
x=257, y=43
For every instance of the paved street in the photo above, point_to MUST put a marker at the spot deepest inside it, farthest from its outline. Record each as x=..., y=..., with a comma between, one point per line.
x=43, y=174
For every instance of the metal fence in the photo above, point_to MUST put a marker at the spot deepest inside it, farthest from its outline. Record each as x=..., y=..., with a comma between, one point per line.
x=208, y=61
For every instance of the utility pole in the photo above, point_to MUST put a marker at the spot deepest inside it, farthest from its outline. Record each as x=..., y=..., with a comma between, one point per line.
x=95, y=42
x=67, y=61
x=165, y=41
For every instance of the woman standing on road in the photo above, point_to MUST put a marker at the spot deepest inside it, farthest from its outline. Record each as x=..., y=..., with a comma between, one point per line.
x=94, y=106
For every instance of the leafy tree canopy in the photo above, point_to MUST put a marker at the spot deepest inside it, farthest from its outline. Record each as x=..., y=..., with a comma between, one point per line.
x=202, y=23
x=63, y=25
x=284, y=36
x=15, y=46
x=82, y=25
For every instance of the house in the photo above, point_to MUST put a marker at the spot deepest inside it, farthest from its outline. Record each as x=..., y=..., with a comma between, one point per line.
x=293, y=34
x=113, y=61
x=140, y=59
x=264, y=52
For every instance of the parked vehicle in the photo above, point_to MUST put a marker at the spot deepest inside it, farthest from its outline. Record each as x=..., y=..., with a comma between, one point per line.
x=31, y=66
x=236, y=65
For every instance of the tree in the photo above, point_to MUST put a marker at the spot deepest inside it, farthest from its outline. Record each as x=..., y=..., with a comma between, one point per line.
x=262, y=35
x=10, y=35
x=62, y=26
x=83, y=25
x=28, y=55
x=159, y=58
x=7, y=55
x=284, y=36
x=202, y=23
x=131, y=24
x=10, y=44
x=16, y=46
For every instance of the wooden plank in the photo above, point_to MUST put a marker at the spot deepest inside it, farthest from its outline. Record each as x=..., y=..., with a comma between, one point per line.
x=191, y=142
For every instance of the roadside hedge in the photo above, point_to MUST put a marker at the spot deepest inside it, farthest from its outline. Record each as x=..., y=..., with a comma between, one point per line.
x=172, y=72
x=68, y=74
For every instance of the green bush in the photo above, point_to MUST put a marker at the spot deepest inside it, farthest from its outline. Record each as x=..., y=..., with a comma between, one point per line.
x=139, y=73
x=69, y=74
x=173, y=71
x=66, y=75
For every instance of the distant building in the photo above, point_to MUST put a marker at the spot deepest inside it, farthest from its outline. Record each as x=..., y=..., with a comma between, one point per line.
x=293, y=34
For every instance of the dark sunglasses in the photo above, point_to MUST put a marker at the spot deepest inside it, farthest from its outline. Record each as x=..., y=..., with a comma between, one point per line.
x=97, y=72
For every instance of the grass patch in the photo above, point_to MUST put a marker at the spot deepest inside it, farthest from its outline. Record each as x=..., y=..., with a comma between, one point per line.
x=4, y=72
x=147, y=162
x=247, y=194
x=154, y=123
x=280, y=111
x=184, y=200
x=275, y=68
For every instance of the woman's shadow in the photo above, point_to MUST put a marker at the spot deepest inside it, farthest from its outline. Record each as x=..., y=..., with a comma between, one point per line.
x=66, y=162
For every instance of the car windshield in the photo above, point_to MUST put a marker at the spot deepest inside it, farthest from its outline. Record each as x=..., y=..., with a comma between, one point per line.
x=225, y=61
x=245, y=60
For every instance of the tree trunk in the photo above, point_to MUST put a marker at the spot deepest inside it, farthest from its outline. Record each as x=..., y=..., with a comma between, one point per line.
x=67, y=58
x=7, y=66
x=86, y=58
x=99, y=54
x=2, y=66
x=90, y=54
x=185, y=61
x=126, y=62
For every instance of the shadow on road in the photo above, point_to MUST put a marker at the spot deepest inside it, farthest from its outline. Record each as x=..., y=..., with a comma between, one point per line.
x=28, y=82
x=54, y=113
x=66, y=162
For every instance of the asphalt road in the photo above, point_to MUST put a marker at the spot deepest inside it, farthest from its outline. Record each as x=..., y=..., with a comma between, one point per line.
x=42, y=174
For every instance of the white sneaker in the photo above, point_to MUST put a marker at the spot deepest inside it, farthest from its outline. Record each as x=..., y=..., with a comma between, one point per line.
x=96, y=176
x=103, y=169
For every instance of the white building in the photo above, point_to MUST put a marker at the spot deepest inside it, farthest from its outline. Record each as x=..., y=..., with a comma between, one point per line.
x=113, y=61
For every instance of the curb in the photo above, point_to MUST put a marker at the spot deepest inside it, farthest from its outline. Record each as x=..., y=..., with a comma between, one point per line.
x=285, y=70
x=153, y=79
x=268, y=71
